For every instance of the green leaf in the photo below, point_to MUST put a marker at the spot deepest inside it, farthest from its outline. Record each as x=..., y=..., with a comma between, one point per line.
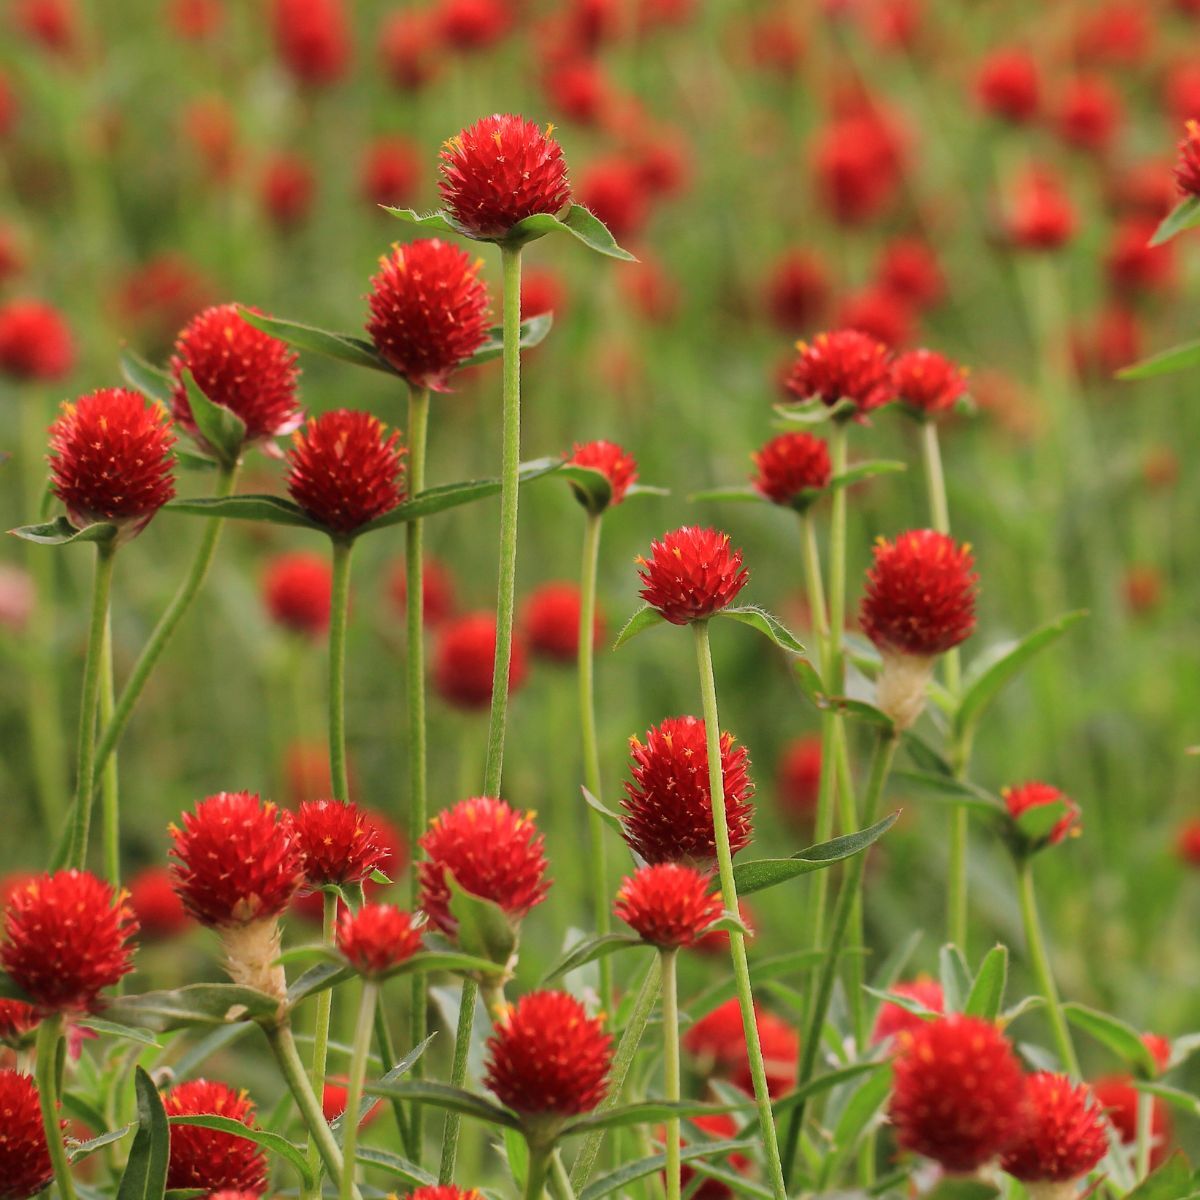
x=823, y=1083
x=649, y=1112
x=774, y=967
x=1171, y=1181
x=77, y=1151
x=866, y=470
x=767, y=872
x=905, y=1002
x=733, y=1180
x=354, y=350
x=145, y=1175
x=986, y=997
x=1185, y=215
x=153, y=382
x=771, y=627
x=591, y=949
x=401, y=1069
x=198, y=1004
x=579, y=222
x=112, y=1029
x=1166, y=362
x=809, y=680
x=434, y=222
x=858, y=710
x=645, y=618
x=442, y=1095
x=317, y=979
x=1175, y=1097
x=60, y=532
x=954, y=977
x=925, y=756
x=609, y=817
x=1037, y=823
x=273, y=1142
x=274, y=510
x=219, y=427
x=645, y=489
x=960, y=1188
x=516, y=1151
x=484, y=928
x=394, y=1164
x=1122, y=1039
x=983, y=690
x=592, y=488
x=430, y=961
x=738, y=495
x=614, y=1181
x=860, y=1110
x=814, y=412
x=533, y=333
x=957, y=791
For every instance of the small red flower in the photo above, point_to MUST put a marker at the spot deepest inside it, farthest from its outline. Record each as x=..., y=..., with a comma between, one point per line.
x=237, y=860
x=286, y=190
x=798, y=778
x=444, y=1192
x=390, y=172
x=333, y=1104
x=35, y=342
x=159, y=296
x=470, y=25
x=491, y=850
x=1118, y=1097
x=1187, y=171
x=928, y=382
x=551, y=622
x=797, y=291
x=718, y=1042
x=542, y=292
x=1187, y=842
x=429, y=311
x=340, y=843
x=159, y=911
x=53, y=24
x=1132, y=265
x=691, y=573
x=668, y=805
x=843, y=365
x=880, y=313
x=240, y=368
x=25, y=1168
x=1089, y=114
x=719, y=1127
x=855, y=169
x=1021, y=799
x=920, y=597
x=909, y=268
x=346, y=469
x=208, y=1158
x=111, y=460
x=1042, y=217
x=465, y=659
x=893, y=1019
x=408, y=48
x=499, y=171
x=668, y=904
x=546, y=1055
x=67, y=938
x=1008, y=86
x=957, y=1092
x=437, y=585
x=312, y=38
x=297, y=588
x=614, y=190
x=17, y=1021
x=377, y=937
x=617, y=466
x=1064, y=1134
x=791, y=467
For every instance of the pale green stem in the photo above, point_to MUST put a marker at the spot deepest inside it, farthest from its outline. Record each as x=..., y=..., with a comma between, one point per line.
x=834, y=668
x=340, y=604
x=110, y=810
x=321, y=1032
x=49, y=1035
x=359, y=1053
x=670, y=1012
x=458, y=1075
x=558, y=1173
x=535, y=1182
x=1145, y=1134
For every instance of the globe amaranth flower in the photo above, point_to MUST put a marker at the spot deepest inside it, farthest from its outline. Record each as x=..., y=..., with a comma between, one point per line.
x=346, y=469
x=792, y=468
x=298, y=591
x=668, y=904
x=718, y=1043
x=798, y=779
x=909, y=268
x=928, y=383
x=111, y=460
x=893, y=1018
x=1063, y=1135
x=377, y=937
x=550, y=620
x=718, y=1127
x=211, y=1159
x=312, y=38
x=617, y=466
x=1042, y=216
x=492, y=851
x=1008, y=85
x=333, y=1103
x=1033, y=795
x=843, y=365
x=797, y=291
x=1119, y=1098
x=547, y=1056
x=67, y=937
x=1187, y=164
x=429, y=311
x=341, y=844
x=499, y=171
x=156, y=904
x=438, y=588
x=25, y=1168
x=464, y=660
x=958, y=1093
x=35, y=342
x=668, y=804
x=691, y=573
x=18, y=1021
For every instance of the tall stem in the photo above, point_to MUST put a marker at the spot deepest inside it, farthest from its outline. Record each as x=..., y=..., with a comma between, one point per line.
x=110, y=811
x=354, y=1085
x=834, y=668
x=510, y=463
x=670, y=1012
x=1145, y=1135
x=535, y=1181
x=458, y=1074
x=321, y=1031
x=337, y=669
x=49, y=1035
x=737, y=941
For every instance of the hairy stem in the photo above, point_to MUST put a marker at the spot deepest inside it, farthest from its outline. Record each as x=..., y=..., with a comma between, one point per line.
x=321, y=1031
x=49, y=1035
x=458, y=1074
x=110, y=808
x=354, y=1085
x=339, y=612
x=670, y=1011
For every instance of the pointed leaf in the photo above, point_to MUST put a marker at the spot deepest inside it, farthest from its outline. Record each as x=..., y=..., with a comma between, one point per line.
x=612, y=819
x=823, y=1083
x=591, y=949
x=810, y=680
x=1122, y=1039
x=1171, y=1181
x=925, y=756
x=866, y=470
x=1037, y=823
x=145, y=1175
x=342, y=346
x=1166, y=362
x=394, y=1164
x=112, y=1029
x=434, y=222
x=318, y=979
x=77, y=1151
x=442, y=1095
x=860, y=1110
x=533, y=333
x=645, y=618
x=956, y=791
x=645, y=489
x=591, y=487
x=401, y=1069
x=60, y=532
x=614, y=1181
x=858, y=710
x=771, y=627
x=153, y=382
x=274, y=510
x=907, y=1003
x=775, y=967
x=954, y=977
x=1185, y=215
x=649, y=1112
x=273, y=1142
x=430, y=961
x=579, y=222
x=484, y=928
x=986, y=997
x=737, y=495
x=198, y=1004
x=814, y=412
x=1175, y=1097
x=220, y=427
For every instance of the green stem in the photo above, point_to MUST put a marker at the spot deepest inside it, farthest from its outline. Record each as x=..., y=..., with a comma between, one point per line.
x=935, y=479
x=110, y=809
x=814, y=585
x=559, y=1180
x=458, y=1074
x=737, y=941
x=535, y=1182
x=339, y=613
x=670, y=1013
x=49, y=1035
x=1145, y=1135
x=321, y=1032
x=1040, y=961
x=510, y=257
x=834, y=668
x=354, y=1085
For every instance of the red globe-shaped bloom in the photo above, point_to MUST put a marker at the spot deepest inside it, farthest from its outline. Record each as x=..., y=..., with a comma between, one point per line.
x=1134, y=267
x=472, y=25
x=67, y=938
x=1119, y=1099
x=286, y=190
x=35, y=342
x=333, y=1103
x=617, y=466
x=465, y=658
x=491, y=850
x=209, y=1158
x=156, y=904
x=958, y=1093
x=791, y=467
x=854, y=165
x=843, y=365
x=1187, y=171
x=429, y=310
x=312, y=38
x=718, y=1043
x=893, y=1019
x=614, y=190
x=668, y=904
x=880, y=313
x=1008, y=85
x=377, y=937
x=1187, y=842
x=920, y=597
x=1063, y=1136
x=390, y=173
x=1031, y=795
x=909, y=268
x=798, y=778
x=346, y=469
x=668, y=805
x=691, y=573
x=439, y=599
x=25, y=1168
x=796, y=291
x=409, y=49
x=542, y=292
x=340, y=843
x=928, y=383
x=237, y=860
x=297, y=589
x=1089, y=114
x=546, y=1055
x=1042, y=216
x=18, y=1021
x=499, y=171
x=111, y=460
x=551, y=622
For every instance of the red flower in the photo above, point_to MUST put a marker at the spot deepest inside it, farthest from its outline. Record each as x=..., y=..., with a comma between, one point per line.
x=390, y=172
x=893, y=1019
x=1187, y=842
x=67, y=938
x=1008, y=86
x=51, y=23
x=333, y=1104
x=340, y=843
x=855, y=169
x=718, y=1041
x=408, y=48
x=237, y=860
x=1021, y=799
x=618, y=467
x=159, y=911
x=928, y=382
x=377, y=937
x=312, y=38
x=240, y=368
x=444, y=1192
x=437, y=587
x=194, y=20
x=546, y=1055
x=1043, y=217
x=614, y=190
x=465, y=659
x=160, y=295
x=668, y=904
x=1118, y=1097
x=798, y=778
x=25, y=1168
x=668, y=804
x=34, y=341
x=491, y=850
x=429, y=311
x=111, y=460
x=920, y=597
x=297, y=588
x=1089, y=114
x=499, y=171
x=17, y=1021
x=208, y=1158
x=715, y=943
x=210, y=125
x=957, y=1092
x=579, y=89
x=541, y=292
x=469, y=25
x=346, y=469
x=1134, y=266
x=843, y=365
x=286, y=190
x=1064, y=1135
x=551, y=622
x=719, y=1127
x=691, y=574
x=797, y=291
x=791, y=467
x=880, y=313
x=910, y=268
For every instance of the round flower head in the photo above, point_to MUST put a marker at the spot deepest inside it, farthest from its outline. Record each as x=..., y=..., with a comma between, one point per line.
x=618, y=467
x=156, y=904
x=668, y=904
x=909, y=268
x=718, y=1043
x=346, y=469
x=25, y=1168
x=377, y=937
x=491, y=850
x=18, y=1021
x=1008, y=86
x=1042, y=216
x=792, y=468
x=1187, y=165
x=691, y=573
x=429, y=311
x=298, y=591
x=1033, y=795
x=210, y=1159
x=67, y=938
x=668, y=805
x=957, y=1092
x=390, y=172
x=547, y=1056
x=893, y=1019
x=551, y=622
x=499, y=171
x=340, y=843
x=843, y=365
x=1064, y=1134
x=928, y=383
x=333, y=1103
x=438, y=588
x=34, y=341
x=240, y=368
x=465, y=659
x=286, y=191
x=1118, y=1098
x=798, y=779
x=312, y=38
x=110, y=459
x=797, y=291
x=1187, y=842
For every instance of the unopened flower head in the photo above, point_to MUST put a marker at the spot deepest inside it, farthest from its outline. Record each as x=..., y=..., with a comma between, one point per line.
x=613, y=462
x=928, y=383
